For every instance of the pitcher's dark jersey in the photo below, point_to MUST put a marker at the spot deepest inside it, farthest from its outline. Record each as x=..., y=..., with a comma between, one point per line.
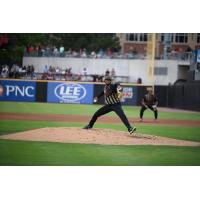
x=110, y=93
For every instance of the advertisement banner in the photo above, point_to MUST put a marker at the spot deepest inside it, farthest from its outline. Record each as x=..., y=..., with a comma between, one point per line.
x=198, y=55
x=18, y=90
x=129, y=95
x=70, y=93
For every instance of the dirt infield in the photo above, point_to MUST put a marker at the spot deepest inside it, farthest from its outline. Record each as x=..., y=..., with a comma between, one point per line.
x=94, y=136
x=85, y=119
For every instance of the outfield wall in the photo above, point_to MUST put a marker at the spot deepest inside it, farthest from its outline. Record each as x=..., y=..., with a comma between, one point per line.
x=185, y=96
x=64, y=92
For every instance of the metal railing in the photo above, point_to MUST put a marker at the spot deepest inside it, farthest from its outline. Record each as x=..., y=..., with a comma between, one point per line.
x=65, y=77
x=170, y=56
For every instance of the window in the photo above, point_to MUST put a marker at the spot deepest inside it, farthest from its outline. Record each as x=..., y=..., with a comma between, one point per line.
x=161, y=71
x=162, y=37
x=198, y=37
x=181, y=37
x=143, y=37
x=132, y=37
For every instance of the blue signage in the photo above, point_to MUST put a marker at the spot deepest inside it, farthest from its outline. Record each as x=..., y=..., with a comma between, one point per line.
x=70, y=93
x=198, y=55
x=18, y=90
x=129, y=95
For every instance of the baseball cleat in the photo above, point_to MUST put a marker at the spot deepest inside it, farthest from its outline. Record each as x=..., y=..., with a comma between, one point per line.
x=87, y=127
x=132, y=130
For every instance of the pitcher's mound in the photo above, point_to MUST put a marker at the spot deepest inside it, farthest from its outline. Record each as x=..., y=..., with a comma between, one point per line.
x=94, y=136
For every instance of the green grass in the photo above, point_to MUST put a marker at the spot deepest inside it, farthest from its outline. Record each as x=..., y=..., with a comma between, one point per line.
x=44, y=153
x=51, y=108
x=184, y=133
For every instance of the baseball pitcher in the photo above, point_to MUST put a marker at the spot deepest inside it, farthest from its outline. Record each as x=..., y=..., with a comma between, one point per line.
x=112, y=94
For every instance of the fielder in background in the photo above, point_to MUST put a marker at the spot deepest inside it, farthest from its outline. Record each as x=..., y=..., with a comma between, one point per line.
x=112, y=94
x=149, y=101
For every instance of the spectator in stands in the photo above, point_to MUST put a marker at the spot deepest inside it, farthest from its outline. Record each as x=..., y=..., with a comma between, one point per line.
x=95, y=77
x=49, y=74
x=62, y=51
x=45, y=72
x=113, y=73
x=28, y=70
x=139, y=81
x=32, y=70
x=109, y=52
x=107, y=73
x=78, y=77
x=50, y=69
x=57, y=71
x=40, y=50
x=45, y=69
x=55, y=51
x=80, y=51
x=69, y=53
x=14, y=72
x=188, y=52
x=84, y=74
x=4, y=71
x=189, y=49
x=83, y=53
x=93, y=54
x=24, y=72
x=100, y=53
x=30, y=49
x=74, y=53
x=11, y=73
x=68, y=74
x=100, y=78
x=20, y=70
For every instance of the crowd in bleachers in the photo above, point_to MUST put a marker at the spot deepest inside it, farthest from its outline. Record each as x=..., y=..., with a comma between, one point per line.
x=53, y=51
x=52, y=73
x=39, y=51
x=50, y=51
x=16, y=71
x=57, y=73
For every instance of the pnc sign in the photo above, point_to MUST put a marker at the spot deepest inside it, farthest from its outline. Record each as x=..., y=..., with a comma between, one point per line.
x=18, y=91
